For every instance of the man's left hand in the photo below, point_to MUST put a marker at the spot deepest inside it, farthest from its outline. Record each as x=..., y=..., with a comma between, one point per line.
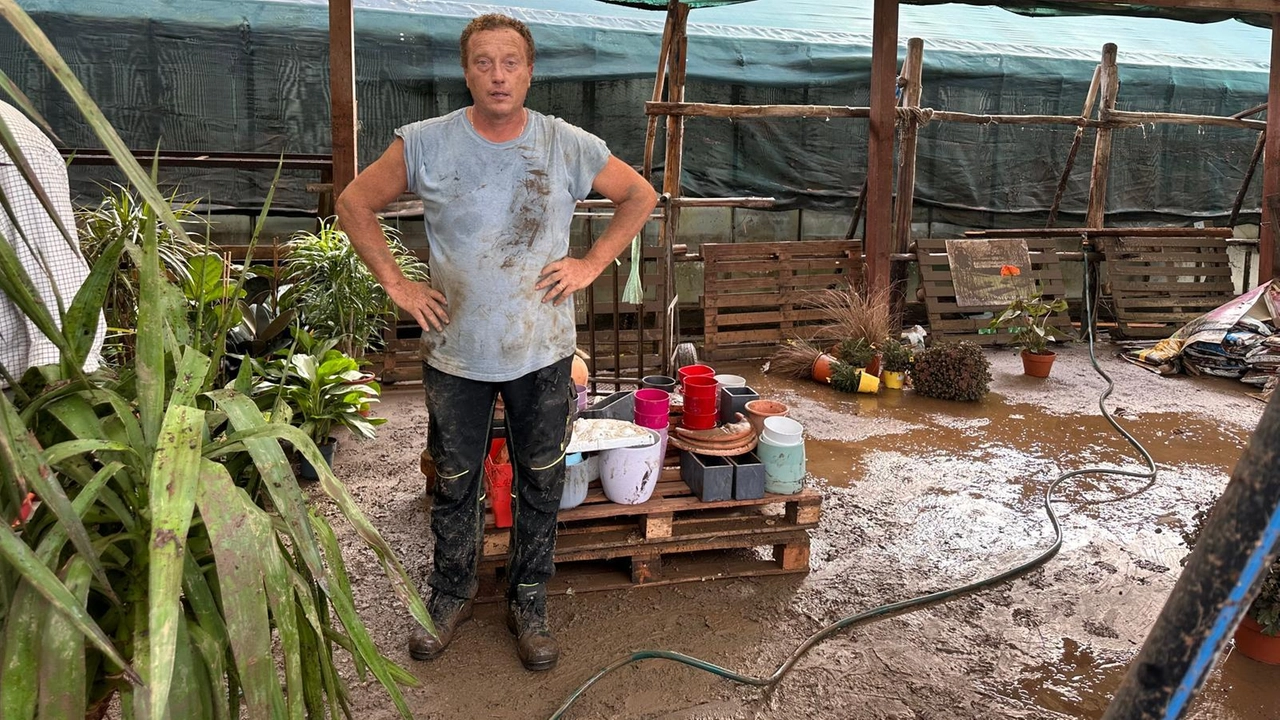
x=562, y=278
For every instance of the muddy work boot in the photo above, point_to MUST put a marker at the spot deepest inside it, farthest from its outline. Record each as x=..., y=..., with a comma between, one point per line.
x=447, y=612
x=527, y=620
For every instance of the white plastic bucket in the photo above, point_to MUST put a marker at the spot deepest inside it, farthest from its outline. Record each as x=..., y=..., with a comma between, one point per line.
x=629, y=476
x=578, y=473
x=783, y=431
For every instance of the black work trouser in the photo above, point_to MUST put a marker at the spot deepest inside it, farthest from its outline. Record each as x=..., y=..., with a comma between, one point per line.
x=538, y=409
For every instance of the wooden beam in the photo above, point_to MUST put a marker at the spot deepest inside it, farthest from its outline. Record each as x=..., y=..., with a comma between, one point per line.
x=1075, y=147
x=1268, y=248
x=342, y=93
x=1233, y=6
x=884, y=75
x=1096, y=214
x=912, y=70
x=659, y=84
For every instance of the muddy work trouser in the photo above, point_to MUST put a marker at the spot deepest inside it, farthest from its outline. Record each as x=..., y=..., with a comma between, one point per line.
x=538, y=409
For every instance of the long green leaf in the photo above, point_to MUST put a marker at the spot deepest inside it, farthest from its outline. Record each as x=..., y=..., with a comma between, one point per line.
x=39, y=42
x=191, y=694
x=175, y=474
x=55, y=454
x=19, y=684
x=149, y=354
x=280, y=595
x=20, y=450
x=214, y=654
x=340, y=596
x=80, y=324
x=52, y=542
x=190, y=378
x=239, y=531
x=11, y=147
x=274, y=468
x=62, y=665
x=17, y=553
x=254, y=428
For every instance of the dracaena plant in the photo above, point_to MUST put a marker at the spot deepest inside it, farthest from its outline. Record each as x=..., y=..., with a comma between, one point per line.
x=171, y=559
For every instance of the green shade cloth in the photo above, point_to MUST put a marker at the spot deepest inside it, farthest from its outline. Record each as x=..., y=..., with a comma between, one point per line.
x=252, y=75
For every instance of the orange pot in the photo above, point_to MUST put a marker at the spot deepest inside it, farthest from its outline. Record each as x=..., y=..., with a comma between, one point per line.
x=1038, y=364
x=1256, y=644
x=822, y=368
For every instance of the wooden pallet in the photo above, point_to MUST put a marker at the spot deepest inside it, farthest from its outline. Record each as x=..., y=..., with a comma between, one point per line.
x=948, y=321
x=755, y=294
x=1159, y=284
x=672, y=538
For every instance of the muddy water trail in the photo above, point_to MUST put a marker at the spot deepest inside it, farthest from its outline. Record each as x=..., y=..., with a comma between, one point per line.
x=919, y=495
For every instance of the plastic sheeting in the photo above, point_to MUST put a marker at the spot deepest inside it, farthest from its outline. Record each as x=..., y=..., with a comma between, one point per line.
x=252, y=75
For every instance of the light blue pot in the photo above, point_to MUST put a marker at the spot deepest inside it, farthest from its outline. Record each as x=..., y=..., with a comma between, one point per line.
x=784, y=467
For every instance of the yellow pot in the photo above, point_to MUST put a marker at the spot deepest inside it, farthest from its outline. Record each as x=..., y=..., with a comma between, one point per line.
x=868, y=383
x=892, y=379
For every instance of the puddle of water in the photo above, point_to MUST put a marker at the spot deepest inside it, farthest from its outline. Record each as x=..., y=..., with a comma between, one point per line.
x=1080, y=683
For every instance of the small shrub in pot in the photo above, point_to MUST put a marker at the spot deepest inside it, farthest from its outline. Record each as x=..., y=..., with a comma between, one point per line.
x=952, y=371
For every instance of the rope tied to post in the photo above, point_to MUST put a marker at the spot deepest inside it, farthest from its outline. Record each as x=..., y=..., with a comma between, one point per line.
x=918, y=116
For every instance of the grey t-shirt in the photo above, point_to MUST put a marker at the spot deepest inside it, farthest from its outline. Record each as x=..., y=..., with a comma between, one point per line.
x=496, y=214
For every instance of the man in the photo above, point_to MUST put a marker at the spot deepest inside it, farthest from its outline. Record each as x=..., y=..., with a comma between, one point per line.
x=499, y=184
x=55, y=265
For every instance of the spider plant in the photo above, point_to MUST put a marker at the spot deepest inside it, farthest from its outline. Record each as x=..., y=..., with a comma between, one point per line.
x=172, y=560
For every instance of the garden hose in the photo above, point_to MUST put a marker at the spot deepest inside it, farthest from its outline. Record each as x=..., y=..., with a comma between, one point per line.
x=924, y=600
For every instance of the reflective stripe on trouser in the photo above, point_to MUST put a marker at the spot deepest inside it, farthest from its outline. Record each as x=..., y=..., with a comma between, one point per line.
x=538, y=409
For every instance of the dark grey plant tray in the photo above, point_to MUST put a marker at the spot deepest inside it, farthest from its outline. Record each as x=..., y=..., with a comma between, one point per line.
x=748, y=477
x=733, y=400
x=708, y=476
x=618, y=406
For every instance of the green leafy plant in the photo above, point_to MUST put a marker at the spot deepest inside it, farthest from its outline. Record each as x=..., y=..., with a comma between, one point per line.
x=121, y=214
x=952, y=371
x=845, y=377
x=333, y=291
x=857, y=352
x=1027, y=319
x=319, y=389
x=894, y=356
x=151, y=569
x=1265, y=609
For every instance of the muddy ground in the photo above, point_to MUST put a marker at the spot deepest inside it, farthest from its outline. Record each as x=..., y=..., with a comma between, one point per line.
x=919, y=495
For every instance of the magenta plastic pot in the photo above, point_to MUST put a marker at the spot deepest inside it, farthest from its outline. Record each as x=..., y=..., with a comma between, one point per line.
x=651, y=401
x=629, y=476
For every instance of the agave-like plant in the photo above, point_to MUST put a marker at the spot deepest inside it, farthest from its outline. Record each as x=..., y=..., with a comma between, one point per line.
x=152, y=568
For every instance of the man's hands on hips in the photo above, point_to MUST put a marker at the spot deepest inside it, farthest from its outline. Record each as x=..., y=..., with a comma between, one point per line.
x=423, y=302
x=562, y=278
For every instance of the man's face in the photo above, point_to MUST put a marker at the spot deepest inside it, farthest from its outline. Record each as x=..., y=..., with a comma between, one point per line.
x=498, y=72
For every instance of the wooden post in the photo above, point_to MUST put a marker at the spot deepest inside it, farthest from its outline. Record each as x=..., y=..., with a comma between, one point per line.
x=1248, y=180
x=675, y=92
x=1075, y=148
x=904, y=205
x=659, y=84
x=1268, y=248
x=884, y=74
x=342, y=93
x=1096, y=216
x=912, y=69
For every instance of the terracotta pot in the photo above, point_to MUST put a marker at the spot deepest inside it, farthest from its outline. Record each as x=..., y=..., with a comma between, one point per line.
x=873, y=366
x=1038, y=364
x=1256, y=644
x=822, y=368
x=892, y=379
x=758, y=410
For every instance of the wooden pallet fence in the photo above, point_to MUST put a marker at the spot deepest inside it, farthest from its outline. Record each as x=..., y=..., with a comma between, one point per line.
x=948, y=321
x=672, y=538
x=756, y=295
x=1159, y=284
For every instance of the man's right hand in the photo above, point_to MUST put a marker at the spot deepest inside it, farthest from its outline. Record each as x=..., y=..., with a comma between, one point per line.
x=423, y=302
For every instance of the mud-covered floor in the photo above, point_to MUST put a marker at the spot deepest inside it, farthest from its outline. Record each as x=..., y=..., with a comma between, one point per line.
x=919, y=495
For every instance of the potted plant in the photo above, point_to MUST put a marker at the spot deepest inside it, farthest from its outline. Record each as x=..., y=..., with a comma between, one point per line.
x=847, y=378
x=1258, y=635
x=333, y=291
x=1028, y=321
x=319, y=389
x=859, y=353
x=895, y=359
x=801, y=359
x=952, y=371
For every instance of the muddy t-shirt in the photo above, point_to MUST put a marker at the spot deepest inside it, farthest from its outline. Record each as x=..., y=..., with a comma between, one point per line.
x=496, y=214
